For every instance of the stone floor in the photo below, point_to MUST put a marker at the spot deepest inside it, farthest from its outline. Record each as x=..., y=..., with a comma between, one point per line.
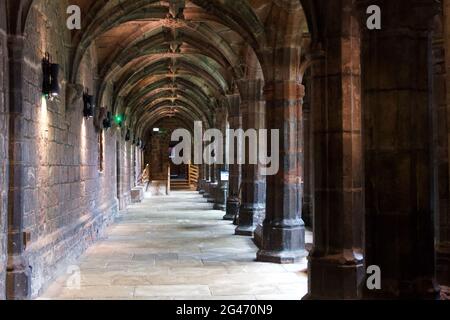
x=176, y=247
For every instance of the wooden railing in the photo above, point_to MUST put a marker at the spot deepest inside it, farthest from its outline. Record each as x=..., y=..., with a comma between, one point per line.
x=194, y=175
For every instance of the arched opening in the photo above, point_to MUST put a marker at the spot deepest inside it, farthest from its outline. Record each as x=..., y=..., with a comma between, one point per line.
x=348, y=126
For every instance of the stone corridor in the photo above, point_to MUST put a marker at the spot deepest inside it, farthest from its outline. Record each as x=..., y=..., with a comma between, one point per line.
x=294, y=118
x=177, y=247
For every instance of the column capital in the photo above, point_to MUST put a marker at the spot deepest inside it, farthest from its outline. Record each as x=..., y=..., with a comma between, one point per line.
x=251, y=90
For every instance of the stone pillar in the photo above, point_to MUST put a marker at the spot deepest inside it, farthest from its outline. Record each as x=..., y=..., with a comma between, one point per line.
x=441, y=79
x=283, y=236
x=233, y=201
x=221, y=194
x=253, y=184
x=202, y=180
x=207, y=183
x=336, y=261
x=397, y=140
x=307, y=202
x=18, y=280
x=213, y=185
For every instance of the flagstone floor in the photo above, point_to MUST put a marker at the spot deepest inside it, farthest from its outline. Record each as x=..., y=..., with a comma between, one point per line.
x=177, y=247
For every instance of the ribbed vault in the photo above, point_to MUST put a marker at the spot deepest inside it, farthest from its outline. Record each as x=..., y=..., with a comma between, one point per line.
x=181, y=58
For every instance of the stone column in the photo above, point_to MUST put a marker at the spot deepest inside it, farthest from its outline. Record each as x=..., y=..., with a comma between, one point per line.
x=18, y=280
x=233, y=201
x=283, y=236
x=441, y=79
x=201, y=179
x=221, y=194
x=307, y=202
x=253, y=184
x=336, y=261
x=208, y=180
x=213, y=184
x=397, y=139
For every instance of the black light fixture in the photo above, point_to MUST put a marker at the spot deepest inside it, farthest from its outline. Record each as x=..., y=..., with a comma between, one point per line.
x=107, y=122
x=50, y=72
x=128, y=135
x=89, y=105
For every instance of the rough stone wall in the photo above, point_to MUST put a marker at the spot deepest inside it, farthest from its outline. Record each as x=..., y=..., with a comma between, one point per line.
x=3, y=149
x=68, y=202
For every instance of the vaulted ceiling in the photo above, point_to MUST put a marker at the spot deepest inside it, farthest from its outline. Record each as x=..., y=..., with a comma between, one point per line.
x=179, y=58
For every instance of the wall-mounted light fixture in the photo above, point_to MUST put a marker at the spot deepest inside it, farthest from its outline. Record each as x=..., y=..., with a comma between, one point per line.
x=50, y=73
x=89, y=105
x=107, y=122
x=128, y=135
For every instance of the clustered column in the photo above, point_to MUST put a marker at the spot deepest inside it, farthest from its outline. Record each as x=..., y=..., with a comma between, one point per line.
x=442, y=101
x=336, y=261
x=18, y=281
x=253, y=183
x=283, y=238
x=233, y=201
x=307, y=202
x=221, y=193
x=397, y=131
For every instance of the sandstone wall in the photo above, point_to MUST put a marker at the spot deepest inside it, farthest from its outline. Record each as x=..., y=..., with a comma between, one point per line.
x=68, y=202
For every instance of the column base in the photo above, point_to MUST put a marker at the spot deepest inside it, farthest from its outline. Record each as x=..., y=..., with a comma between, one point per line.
x=201, y=186
x=18, y=283
x=212, y=192
x=336, y=277
x=248, y=231
x=236, y=219
x=221, y=197
x=282, y=242
x=232, y=209
x=281, y=257
x=257, y=239
x=228, y=217
x=220, y=207
x=205, y=190
x=248, y=216
x=443, y=264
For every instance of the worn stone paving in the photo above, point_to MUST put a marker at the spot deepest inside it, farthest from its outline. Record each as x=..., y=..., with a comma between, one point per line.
x=177, y=247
